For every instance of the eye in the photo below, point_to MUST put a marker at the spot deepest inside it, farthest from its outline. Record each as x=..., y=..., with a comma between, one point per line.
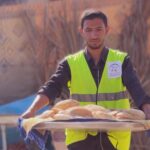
x=88, y=30
x=99, y=29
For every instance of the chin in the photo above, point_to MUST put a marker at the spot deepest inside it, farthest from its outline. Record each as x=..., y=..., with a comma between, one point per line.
x=94, y=47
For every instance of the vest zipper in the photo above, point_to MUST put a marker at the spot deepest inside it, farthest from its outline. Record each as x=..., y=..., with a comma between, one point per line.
x=97, y=85
x=101, y=145
x=100, y=134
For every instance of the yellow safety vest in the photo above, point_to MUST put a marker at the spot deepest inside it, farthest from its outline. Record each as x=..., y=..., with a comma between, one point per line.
x=111, y=93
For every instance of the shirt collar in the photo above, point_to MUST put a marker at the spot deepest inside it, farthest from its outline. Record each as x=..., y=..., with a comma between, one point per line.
x=102, y=57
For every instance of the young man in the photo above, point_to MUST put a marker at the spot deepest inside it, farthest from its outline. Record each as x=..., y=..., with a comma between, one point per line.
x=97, y=75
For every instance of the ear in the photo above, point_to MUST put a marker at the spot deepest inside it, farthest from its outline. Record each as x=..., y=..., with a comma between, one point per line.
x=107, y=29
x=80, y=30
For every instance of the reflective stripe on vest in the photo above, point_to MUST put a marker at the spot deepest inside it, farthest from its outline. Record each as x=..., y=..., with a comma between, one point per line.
x=100, y=96
x=110, y=93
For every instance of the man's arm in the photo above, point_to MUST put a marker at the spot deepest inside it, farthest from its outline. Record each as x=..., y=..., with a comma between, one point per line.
x=131, y=81
x=39, y=102
x=50, y=90
x=146, y=109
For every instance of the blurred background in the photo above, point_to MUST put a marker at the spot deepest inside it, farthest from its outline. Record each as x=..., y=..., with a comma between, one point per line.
x=36, y=34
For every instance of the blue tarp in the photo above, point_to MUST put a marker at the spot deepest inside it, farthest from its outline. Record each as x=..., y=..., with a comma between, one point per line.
x=17, y=107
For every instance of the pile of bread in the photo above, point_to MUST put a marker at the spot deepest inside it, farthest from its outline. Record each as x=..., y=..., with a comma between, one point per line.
x=70, y=109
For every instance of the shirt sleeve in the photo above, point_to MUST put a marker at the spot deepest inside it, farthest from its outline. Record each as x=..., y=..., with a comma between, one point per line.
x=57, y=82
x=132, y=82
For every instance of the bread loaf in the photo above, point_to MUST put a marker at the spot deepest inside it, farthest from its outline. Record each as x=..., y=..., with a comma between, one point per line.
x=79, y=111
x=65, y=104
x=133, y=114
x=61, y=116
x=93, y=107
x=136, y=113
x=102, y=115
x=47, y=114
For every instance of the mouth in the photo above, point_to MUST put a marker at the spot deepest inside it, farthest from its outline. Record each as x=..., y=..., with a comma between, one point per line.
x=94, y=40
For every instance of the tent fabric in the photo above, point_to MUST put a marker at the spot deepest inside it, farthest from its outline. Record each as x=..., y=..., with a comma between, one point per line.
x=19, y=106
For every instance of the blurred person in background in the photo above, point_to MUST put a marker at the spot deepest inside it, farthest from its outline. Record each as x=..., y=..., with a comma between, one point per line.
x=97, y=75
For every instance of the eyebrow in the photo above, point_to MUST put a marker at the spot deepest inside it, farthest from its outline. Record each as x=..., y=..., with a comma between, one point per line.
x=99, y=27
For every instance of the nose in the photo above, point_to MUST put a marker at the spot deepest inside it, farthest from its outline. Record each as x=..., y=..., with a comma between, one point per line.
x=94, y=34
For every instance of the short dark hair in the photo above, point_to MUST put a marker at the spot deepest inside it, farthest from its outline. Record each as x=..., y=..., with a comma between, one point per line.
x=89, y=14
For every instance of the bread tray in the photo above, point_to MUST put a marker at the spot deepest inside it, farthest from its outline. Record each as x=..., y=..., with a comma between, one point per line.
x=96, y=124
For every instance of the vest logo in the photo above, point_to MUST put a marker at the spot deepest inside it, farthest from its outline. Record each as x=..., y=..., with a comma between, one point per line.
x=114, y=69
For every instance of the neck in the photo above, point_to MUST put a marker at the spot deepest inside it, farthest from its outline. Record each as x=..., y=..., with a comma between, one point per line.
x=95, y=54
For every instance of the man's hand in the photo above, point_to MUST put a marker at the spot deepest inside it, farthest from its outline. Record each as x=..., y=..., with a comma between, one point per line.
x=28, y=114
x=146, y=109
x=39, y=102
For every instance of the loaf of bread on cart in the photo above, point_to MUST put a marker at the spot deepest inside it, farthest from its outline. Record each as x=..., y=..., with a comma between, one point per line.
x=70, y=108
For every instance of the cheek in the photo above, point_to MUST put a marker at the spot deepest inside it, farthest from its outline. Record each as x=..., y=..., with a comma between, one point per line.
x=86, y=36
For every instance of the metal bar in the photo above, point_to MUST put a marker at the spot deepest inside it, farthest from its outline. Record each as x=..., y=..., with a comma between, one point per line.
x=4, y=139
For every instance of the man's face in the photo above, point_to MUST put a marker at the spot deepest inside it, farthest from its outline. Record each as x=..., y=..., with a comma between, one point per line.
x=94, y=32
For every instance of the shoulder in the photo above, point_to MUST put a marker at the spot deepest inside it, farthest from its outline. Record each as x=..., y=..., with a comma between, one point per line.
x=117, y=52
x=75, y=55
x=62, y=64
